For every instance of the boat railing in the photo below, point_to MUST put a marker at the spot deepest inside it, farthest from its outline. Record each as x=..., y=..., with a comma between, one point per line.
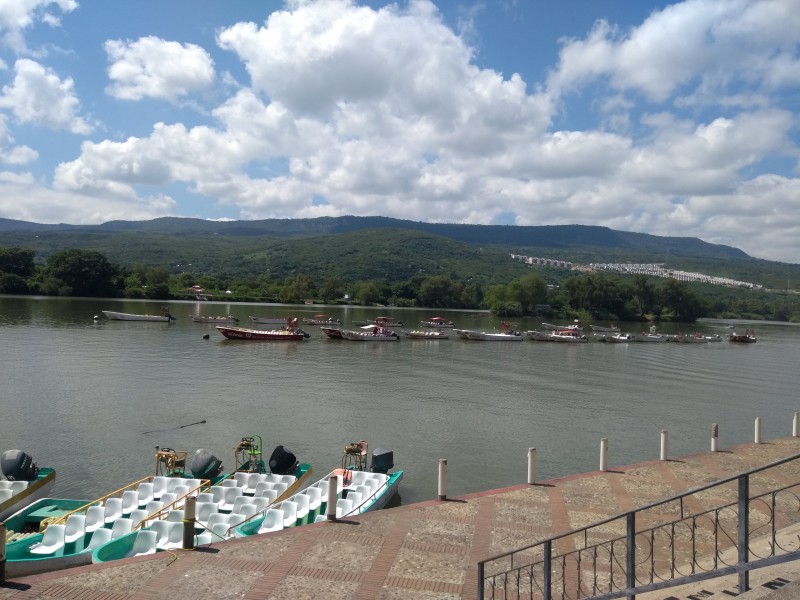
x=116, y=493
x=617, y=558
x=162, y=512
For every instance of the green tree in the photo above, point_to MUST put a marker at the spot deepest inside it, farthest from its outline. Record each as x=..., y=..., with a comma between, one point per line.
x=82, y=273
x=367, y=292
x=11, y=283
x=440, y=291
x=643, y=294
x=527, y=292
x=17, y=261
x=676, y=296
x=331, y=289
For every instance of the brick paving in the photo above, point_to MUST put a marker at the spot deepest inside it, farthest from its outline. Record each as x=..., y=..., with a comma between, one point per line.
x=423, y=551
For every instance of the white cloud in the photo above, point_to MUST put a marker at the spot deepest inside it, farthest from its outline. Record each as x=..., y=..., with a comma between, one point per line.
x=154, y=68
x=18, y=15
x=37, y=96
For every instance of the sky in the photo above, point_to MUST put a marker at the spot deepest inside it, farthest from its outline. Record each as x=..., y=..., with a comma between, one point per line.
x=668, y=118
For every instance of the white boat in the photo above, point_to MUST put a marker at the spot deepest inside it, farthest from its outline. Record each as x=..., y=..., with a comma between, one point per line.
x=569, y=336
x=270, y=320
x=164, y=317
x=603, y=329
x=322, y=319
x=369, y=333
x=427, y=335
x=23, y=482
x=620, y=338
x=576, y=325
x=650, y=336
x=437, y=323
x=688, y=338
x=504, y=335
x=464, y=333
x=382, y=321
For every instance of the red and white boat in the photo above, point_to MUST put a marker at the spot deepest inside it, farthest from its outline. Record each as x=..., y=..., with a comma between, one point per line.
x=289, y=333
x=370, y=333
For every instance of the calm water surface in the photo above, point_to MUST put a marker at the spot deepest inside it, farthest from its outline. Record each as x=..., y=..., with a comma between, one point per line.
x=93, y=398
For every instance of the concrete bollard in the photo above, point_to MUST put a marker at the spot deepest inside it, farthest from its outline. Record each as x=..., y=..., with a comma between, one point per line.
x=796, y=425
x=333, y=496
x=442, y=479
x=664, y=444
x=714, y=437
x=188, y=523
x=604, y=454
x=2, y=552
x=758, y=430
x=531, y=466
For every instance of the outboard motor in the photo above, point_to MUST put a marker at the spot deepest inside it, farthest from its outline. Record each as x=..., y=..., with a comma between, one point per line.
x=283, y=462
x=205, y=465
x=18, y=466
x=382, y=460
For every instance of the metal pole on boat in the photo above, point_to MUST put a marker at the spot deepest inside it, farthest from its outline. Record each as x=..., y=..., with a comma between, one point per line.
x=604, y=454
x=2, y=552
x=333, y=496
x=796, y=425
x=442, y=479
x=531, y=466
x=188, y=523
x=664, y=444
x=714, y=436
x=758, y=430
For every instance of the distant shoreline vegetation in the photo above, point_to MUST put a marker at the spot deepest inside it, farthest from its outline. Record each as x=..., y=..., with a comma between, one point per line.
x=545, y=292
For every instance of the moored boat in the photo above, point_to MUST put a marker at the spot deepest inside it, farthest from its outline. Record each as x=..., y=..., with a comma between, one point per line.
x=164, y=317
x=504, y=335
x=270, y=320
x=369, y=333
x=335, y=333
x=649, y=336
x=570, y=336
x=620, y=338
x=603, y=329
x=575, y=325
x=289, y=333
x=23, y=484
x=322, y=319
x=748, y=337
x=427, y=335
x=214, y=319
x=437, y=323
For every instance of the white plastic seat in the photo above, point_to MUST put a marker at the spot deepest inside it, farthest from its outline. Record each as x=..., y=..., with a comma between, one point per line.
x=203, y=510
x=99, y=537
x=279, y=487
x=240, y=501
x=167, y=498
x=358, y=478
x=343, y=507
x=159, y=486
x=273, y=521
x=121, y=526
x=287, y=479
x=145, y=543
x=205, y=497
x=252, y=482
x=153, y=506
x=365, y=491
x=218, y=493
x=5, y=494
x=145, y=493
x=137, y=516
x=203, y=539
x=215, y=518
x=75, y=528
x=193, y=483
x=130, y=501
x=175, y=515
x=95, y=518
x=320, y=518
x=303, y=503
x=314, y=499
x=113, y=510
x=323, y=488
x=260, y=502
x=52, y=541
x=246, y=511
x=221, y=531
x=355, y=500
x=173, y=482
x=18, y=486
x=241, y=478
x=373, y=483
x=271, y=495
x=231, y=493
x=289, y=509
x=180, y=492
x=5, y=484
x=234, y=520
x=230, y=483
x=174, y=535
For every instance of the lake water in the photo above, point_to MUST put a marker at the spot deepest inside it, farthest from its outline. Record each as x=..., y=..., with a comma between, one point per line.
x=93, y=398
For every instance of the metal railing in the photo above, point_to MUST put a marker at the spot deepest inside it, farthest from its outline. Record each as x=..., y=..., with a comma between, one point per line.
x=657, y=546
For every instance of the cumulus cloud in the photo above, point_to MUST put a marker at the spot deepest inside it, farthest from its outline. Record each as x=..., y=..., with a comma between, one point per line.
x=154, y=68
x=37, y=96
x=18, y=15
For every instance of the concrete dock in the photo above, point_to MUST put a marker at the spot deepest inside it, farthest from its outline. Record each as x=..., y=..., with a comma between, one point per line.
x=423, y=551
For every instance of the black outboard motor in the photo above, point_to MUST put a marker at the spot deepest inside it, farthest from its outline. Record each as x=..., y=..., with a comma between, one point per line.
x=205, y=465
x=283, y=462
x=18, y=466
x=382, y=460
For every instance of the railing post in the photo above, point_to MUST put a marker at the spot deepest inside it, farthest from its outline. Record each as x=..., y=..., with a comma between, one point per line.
x=333, y=496
x=480, y=580
x=2, y=552
x=630, y=556
x=547, y=565
x=603, y=454
x=442, y=479
x=744, y=533
x=664, y=444
x=796, y=425
x=188, y=523
x=714, y=437
x=758, y=430
x=531, y=466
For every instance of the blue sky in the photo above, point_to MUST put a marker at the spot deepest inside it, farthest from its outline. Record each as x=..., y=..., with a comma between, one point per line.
x=670, y=118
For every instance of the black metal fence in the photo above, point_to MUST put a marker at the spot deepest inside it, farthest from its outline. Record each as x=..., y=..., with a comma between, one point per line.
x=661, y=545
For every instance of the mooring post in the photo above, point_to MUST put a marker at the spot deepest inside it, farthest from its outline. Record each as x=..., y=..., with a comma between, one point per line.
x=442, y=479
x=664, y=444
x=188, y=523
x=531, y=466
x=2, y=552
x=603, y=454
x=796, y=425
x=333, y=496
x=714, y=437
x=758, y=430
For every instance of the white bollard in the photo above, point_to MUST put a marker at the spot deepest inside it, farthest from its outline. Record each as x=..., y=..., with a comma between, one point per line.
x=796, y=425
x=758, y=430
x=333, y=496
x=603, y=454
x=531, y=466
x=714, y=436
x=442, y=479
x=664, y=444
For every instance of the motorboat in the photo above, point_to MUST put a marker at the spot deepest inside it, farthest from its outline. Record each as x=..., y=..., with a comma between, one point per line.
x=504, y=335
x=570, y=336
x=287, y=334
x=335, y=333
x=427, y=335
x=269, y=320
x=649, y=336
x=214, y=319
x=575, y=325
x=620, y=338
x=748, y=337
x=437, y=323
x=370, y=333
x=23, y=482
x=322, y=319
x=164, y=317
x=605, y=329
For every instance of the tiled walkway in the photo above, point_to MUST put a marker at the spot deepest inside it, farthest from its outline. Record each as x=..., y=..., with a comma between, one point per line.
x=422, y=551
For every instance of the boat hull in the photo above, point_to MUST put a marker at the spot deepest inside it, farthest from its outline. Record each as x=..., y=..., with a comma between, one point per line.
x=270, y=320
x=427, y=335
x=365, y=336
x=120, y=316
x=36, y=490
x=261, y=335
